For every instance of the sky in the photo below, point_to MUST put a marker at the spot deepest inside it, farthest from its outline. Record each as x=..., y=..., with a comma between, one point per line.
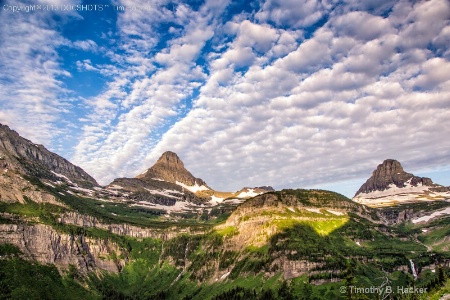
x=292, y=94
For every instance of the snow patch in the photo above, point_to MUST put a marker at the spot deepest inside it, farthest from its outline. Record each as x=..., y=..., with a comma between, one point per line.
x=88, y=191
x=49, y=184
x=433, y=215
x=358, y=243
x=395, y=190
x=216, y=200
x=114, y=187
x=291, y=209
x=248, y=194
x=164, y=193
x=193, y=188
x=63, y=177
x=394, y=195
x=159, y=179
x=178, y=207
x=334, y=212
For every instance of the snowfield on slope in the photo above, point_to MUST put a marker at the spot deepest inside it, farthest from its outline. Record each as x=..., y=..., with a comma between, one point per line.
x=193, y=188
x=248, y=194
x=433, y=215
x=394, y=195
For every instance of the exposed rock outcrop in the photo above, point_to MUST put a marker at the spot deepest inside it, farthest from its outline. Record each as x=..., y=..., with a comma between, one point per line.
x=170, y=168
x=165, y=183
x=45, y=245
x=294, y=268
x=77, y=219
x=15, y=188
x=23, y=156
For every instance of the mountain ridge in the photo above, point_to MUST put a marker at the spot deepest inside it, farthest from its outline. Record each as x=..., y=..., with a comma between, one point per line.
x=162, y=235
x=37, y=160
x=168, y=182
x=389, y=185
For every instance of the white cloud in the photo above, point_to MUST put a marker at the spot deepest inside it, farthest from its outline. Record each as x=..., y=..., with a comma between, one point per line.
x=275, y=101
x=32, y=95
x=240, y=57
x=376, y=7
x=361, y=25
x=152, y=100
x=434, y=73
x=260, y=37
x=285, y=44
x=424, y=22
x=87, y=45
x=292, y=13
x=86, y=65
x=297, y=123
x=311, y=55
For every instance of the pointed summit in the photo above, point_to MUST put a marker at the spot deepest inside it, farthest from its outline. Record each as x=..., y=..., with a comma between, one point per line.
x=390, y=185
x=170, y=168
x=388, y=167
x=389, y=173
x=170, y=160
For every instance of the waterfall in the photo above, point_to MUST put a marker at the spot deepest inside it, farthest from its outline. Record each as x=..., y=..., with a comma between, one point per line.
x=413, y=269
x=184, y=268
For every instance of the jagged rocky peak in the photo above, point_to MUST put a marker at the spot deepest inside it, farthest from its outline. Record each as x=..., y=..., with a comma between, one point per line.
x=25, y=157
x=170, y=160
x=391, y=172
x=170, y=168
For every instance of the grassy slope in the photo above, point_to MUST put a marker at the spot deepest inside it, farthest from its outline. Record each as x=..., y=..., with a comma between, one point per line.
x=149, y=273
x=22, y=279
x=439, y=292
x=107, y=212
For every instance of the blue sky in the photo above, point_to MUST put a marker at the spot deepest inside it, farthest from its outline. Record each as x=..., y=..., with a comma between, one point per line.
x=303, y=93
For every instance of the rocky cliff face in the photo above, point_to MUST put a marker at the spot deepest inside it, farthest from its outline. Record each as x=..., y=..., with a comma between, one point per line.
x=74, y=218
x=391, y=172
x=14, y=188
x=45, y=245
x=24, y=157
x=170, y=168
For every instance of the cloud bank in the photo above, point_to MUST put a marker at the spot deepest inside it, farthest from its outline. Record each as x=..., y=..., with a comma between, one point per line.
x=276, y=93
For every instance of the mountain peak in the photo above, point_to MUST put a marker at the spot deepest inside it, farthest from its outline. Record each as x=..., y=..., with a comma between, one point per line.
x=390, y=173
x=170, y=159
x=388, y=167
x=170, y=168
